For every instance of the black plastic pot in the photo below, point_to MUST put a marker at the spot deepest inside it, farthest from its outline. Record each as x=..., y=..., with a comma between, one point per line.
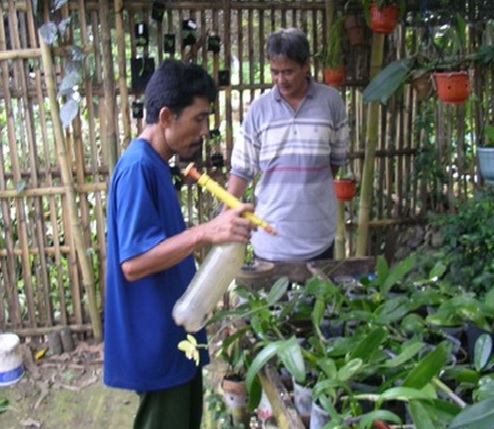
x=158, y=11
x=137, y=109
x=214, y=43
x=169, y=43
x=189, y=29
x=224, y=78
x=141, y=71
x=141, y=34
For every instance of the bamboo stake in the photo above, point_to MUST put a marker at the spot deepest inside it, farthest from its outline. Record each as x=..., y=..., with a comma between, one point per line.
x=77, y=228
x=370, y=152
x=108, y=85
x=122, y=73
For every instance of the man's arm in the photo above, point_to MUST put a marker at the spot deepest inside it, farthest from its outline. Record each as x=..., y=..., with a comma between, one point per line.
x=237, y=186
x=226, y=227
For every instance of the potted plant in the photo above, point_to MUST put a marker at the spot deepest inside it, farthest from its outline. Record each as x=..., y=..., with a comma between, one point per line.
x=382, y=15
x=485, y=153
x=331, y=56
x=354, y=25
x=444, y=58
x=345, y=185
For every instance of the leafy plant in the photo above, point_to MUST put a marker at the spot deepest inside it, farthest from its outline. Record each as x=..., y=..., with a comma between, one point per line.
x=73, y=66
x=331, y=56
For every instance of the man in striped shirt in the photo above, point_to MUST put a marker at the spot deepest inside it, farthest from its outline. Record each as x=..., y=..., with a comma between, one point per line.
x=292, y=141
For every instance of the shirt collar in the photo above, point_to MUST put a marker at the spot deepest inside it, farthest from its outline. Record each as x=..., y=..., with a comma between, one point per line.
x=311, y=90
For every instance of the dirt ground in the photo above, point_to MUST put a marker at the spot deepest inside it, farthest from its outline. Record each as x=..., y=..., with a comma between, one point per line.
x=66, y=392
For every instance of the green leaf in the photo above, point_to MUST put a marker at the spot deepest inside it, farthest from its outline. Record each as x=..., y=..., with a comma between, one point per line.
x=278, y=290
x=368, y=419
x=397, y=272
x=420, y=417
x=290, y=354
x=4, y=405
x=255, y=394
x=48, y=32
x=476, y=416
x=408, y=352
x=483, y=351
x=351, y=368
x=392, y=310
x=387, y=81
x=428, y=367
x=403, y=394
x=68, y=83
x=369, y=344
x=68, y=112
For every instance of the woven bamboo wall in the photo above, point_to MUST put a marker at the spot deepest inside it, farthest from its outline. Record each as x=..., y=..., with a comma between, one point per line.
x=53, y=180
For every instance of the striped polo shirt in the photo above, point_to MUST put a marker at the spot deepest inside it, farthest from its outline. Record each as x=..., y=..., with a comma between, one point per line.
x=291, y=152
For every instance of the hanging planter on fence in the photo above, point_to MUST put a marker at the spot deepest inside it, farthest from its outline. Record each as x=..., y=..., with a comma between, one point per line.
x=189, y=30
x=334, y=77
x=345, y=189
x=224, y=78
x=137, y=109
x=452, y=87
x=169, y=43
x=355, y=29
x=214, y=43
x=141, y=33
x=384, y=20
x=158, y=11
x=141, y=71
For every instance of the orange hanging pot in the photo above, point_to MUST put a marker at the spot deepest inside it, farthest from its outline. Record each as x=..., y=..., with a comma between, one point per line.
x=452, y=87
x=334, y=77
x=384, y=20
x=345, y=189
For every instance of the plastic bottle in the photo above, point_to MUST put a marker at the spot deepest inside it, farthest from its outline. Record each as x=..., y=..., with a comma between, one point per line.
x=221, y=265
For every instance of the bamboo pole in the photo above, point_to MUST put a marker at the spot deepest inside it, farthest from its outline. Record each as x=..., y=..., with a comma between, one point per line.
x=339, y=242
x=122, y=73
x=108, y=85
x=366, y=188
x=77, y=228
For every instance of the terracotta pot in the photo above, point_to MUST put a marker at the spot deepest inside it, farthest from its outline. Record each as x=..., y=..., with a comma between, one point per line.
x=423, y=86
x=452, y=87
x=345, y=189
x=335, y=77
x=355, y=29
x=384, y=20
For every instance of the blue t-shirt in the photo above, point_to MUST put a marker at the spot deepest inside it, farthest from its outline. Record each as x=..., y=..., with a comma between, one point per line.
x=141, y=337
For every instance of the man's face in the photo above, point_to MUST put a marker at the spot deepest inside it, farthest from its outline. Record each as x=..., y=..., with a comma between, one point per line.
x=184, y=132
x=289, y=77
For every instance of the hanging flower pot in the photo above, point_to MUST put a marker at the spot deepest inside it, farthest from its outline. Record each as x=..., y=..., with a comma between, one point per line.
x=452, y=87
x=137, y=109
x=345, y=189
x=169, y=43
x=384, y=20
x=158, y=11
x=422, y=84
x=141, y=33
x=334, y=77
x=214, y=43
x=355, y=29
x=189, y=32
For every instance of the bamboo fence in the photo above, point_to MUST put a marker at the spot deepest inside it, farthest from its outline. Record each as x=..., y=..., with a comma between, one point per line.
x=53, y=180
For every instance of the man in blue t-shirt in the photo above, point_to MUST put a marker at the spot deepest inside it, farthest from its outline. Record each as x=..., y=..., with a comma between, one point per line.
x=150, y=253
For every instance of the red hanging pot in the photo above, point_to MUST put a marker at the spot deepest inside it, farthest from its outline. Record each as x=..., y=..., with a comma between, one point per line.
x=384, y=20
x=345, y=189
x=452, y=87
x=334, y=77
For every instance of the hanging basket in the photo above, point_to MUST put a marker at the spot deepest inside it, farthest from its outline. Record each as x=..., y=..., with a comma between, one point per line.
x=384, y=20
x=334, y=77
x=452, y=87
x=355, y=29
x=345, y=189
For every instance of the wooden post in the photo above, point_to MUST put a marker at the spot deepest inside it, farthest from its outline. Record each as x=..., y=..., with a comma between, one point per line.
x=77, y=228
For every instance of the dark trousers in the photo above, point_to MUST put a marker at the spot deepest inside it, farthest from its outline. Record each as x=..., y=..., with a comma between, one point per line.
x=179, y=407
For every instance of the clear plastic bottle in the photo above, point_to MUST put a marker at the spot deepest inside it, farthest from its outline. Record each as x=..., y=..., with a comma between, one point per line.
x=221, y=265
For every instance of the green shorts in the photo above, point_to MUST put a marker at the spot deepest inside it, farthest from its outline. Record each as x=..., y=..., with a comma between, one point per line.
x=179, y=407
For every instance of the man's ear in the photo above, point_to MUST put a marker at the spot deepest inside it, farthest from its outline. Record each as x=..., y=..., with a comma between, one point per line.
x=165, y=116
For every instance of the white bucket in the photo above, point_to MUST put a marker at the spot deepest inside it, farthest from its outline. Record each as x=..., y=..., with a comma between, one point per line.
x=11, y=367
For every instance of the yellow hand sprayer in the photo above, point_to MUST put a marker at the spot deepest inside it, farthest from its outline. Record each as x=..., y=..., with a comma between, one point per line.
x=224, y=196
